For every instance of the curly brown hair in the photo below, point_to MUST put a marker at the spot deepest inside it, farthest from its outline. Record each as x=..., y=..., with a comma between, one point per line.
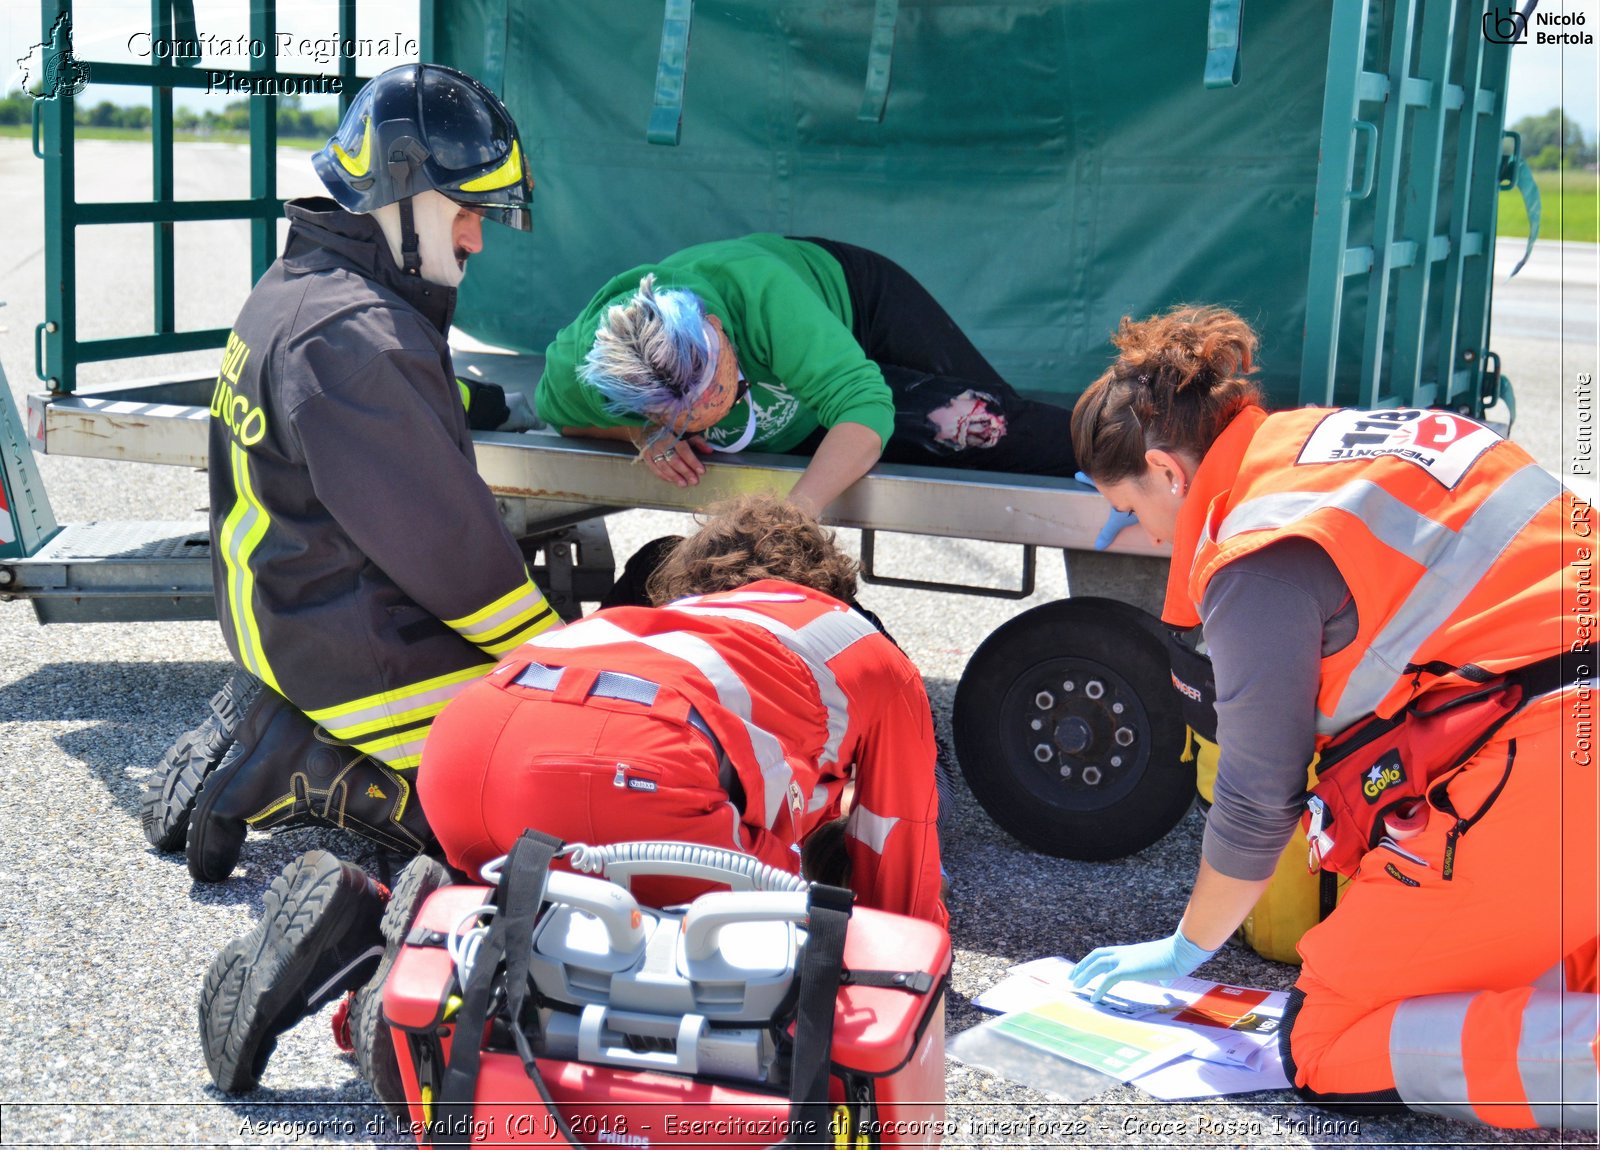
x=1176, y=384
x=749, y=538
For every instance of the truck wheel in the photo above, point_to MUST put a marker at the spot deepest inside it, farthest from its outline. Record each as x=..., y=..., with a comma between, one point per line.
x=1068, y=731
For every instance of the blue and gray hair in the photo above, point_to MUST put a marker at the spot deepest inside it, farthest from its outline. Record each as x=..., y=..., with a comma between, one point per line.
x=653, y=355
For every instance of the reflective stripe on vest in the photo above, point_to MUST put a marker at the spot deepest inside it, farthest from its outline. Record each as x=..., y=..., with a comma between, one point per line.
x=731, y=692
x=1554, y=1056
x=1454, y=563
x=870, y=828
x=815, y=643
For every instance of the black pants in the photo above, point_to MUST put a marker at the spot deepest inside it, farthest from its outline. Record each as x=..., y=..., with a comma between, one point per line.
x=952, y=409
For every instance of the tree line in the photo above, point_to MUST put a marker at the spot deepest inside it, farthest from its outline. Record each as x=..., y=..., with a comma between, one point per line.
x=1549, y=141
x=1552, y=141
x=234, y=116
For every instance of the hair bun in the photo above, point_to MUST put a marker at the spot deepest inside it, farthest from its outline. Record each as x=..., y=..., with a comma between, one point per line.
x=1186, y=348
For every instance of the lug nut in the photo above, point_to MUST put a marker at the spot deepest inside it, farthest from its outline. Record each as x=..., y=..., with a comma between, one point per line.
x=1036, y=724
x=1091, y=775
x=1094, y=688
x=1069, y=686
x=1044, y=752
x=1116, y=760
x=1124, y=736
x=1117, y=708
x=1044, y=700
x=1066, y=770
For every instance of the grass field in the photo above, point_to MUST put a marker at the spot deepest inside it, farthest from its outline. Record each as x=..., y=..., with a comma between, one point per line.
x=24, y=131
x=1569, y=208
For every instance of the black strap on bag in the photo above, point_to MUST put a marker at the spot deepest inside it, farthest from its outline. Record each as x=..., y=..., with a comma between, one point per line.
x=518, y=897
x=828, y=911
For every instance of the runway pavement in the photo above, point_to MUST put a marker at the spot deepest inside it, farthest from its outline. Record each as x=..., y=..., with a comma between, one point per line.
x=103, y=942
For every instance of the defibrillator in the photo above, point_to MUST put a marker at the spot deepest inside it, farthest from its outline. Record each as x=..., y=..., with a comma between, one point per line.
x=552, y=1009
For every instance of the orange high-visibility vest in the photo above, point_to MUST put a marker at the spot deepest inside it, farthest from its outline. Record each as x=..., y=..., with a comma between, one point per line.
x=1460, y=551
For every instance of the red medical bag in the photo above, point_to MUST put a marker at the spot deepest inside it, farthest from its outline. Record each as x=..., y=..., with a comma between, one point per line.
x=733, y=1021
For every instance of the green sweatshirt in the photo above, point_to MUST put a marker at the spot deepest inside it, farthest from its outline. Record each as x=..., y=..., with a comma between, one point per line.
x=786, y=309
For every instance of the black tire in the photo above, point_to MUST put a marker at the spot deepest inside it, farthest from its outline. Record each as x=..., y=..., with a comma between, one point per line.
x=1043, y=747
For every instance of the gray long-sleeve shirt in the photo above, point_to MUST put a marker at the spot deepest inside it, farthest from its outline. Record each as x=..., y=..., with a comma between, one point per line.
x=1270, y=617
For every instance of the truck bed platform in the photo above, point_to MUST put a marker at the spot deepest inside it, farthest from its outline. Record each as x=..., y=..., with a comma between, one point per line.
x=546, y=481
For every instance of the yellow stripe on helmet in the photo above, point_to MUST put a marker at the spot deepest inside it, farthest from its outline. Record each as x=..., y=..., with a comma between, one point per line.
x=504, y=176
x=357, y=164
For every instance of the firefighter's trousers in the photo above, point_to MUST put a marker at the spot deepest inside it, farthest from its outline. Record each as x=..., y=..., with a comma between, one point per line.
x=1464, y=983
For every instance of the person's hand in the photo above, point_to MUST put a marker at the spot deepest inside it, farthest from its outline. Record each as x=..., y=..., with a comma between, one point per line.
x=678, y=462
x=520, y=414
x=1116, y=521
x=1159, y=961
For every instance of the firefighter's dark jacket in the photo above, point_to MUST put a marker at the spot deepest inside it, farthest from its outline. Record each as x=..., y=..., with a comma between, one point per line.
x=361, y=567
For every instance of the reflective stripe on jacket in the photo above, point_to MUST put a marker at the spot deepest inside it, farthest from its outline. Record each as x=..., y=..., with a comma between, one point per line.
x=803, y=695
x=1457, y=547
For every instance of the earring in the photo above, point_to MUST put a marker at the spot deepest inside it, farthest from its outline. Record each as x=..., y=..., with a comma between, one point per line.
x=1174, y=489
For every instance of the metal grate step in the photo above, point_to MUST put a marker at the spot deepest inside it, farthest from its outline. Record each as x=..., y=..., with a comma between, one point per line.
x=116, y=572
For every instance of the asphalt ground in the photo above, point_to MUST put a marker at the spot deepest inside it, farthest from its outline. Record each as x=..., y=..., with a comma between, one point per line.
x=104, y=943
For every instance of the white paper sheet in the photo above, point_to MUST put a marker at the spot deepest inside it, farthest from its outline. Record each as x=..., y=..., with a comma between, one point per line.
x=1234, y=1028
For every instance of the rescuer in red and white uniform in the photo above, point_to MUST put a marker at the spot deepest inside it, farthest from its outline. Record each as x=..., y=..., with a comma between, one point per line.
x=734, y=719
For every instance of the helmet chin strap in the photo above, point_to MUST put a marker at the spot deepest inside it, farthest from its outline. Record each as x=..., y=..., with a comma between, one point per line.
x=406, y=157
x=432, y=217
x=411, y=261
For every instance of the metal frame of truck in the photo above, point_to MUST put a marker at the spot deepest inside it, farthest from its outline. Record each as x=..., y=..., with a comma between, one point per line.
x=1045, y=707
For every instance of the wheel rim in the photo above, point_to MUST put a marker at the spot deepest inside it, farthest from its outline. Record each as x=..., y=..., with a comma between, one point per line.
x=1080, y=730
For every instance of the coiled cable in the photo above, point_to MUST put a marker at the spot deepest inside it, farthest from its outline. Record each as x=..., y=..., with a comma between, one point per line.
x=643, y=855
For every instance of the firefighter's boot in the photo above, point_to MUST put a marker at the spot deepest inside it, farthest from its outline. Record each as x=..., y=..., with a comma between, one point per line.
x=282, y=772
x=170, y=792
x=319, y=936
x=370, y=1033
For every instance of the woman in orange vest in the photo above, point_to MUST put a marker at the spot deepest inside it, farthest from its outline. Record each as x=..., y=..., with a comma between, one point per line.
x=1345, y=564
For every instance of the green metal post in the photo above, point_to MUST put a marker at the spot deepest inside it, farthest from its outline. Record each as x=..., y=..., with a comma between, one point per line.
x=1477, y=279
x=263, y=141
x=164, y=297
x=54, y=352
x=1331, y=228
x=347, y=61
x=1391, y=168
x=1464, y=243
x=1411, y=314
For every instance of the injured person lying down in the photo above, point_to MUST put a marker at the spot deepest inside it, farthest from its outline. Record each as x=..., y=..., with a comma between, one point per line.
x=800, y=346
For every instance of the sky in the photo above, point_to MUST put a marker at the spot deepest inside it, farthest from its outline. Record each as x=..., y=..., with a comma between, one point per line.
x=118, y=30
x=1543, y=76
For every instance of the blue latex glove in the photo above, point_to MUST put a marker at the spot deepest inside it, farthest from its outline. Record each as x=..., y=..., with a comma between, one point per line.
x=1116, y=522
x=1159, y=961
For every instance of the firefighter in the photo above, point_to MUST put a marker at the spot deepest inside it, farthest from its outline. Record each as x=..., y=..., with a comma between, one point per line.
x=807, y=346
x=363, y=574
x=1344, y=564
x=734, y=715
